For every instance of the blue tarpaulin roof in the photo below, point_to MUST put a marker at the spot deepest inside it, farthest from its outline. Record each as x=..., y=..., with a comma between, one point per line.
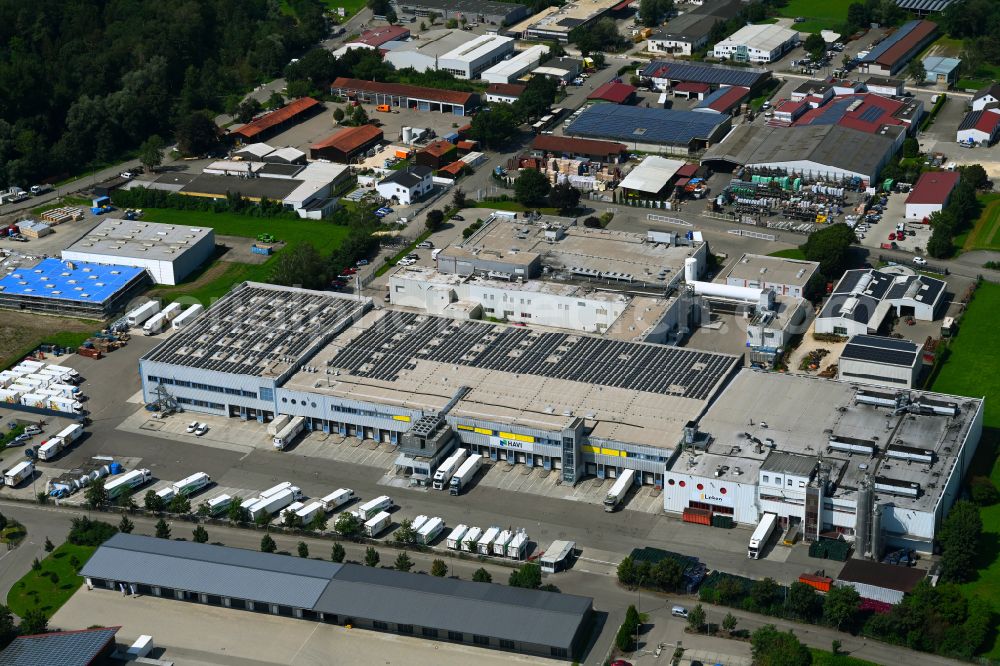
x=84, y=282
x=632, y=123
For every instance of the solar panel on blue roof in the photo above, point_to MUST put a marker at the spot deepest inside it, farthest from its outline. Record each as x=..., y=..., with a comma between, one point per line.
x=890, y=41
x=833, y=112
x=679, y=71
x=871, y=114
x=641, y=124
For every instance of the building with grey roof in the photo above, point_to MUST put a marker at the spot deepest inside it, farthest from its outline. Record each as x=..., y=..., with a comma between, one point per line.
x=168, y=252
x=814, y=151
x=881, y=361
x=786, y=277
x=492, y=12
x=518, y=620
x=877, y=466
x=863, y=298
x=456, y=51
x=86, y=647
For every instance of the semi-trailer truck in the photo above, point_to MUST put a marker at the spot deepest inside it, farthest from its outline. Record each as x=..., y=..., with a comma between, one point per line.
x=274, y=503
x=284, y=485
x=337, y=498
x=277, y=423
x=192, y=484
x=374, y=506
x=485, y=543
x=67, y=405
x=18, y=473
x=186, y=317
x=50, y=448
x=155, y=324
x=760, y=536
x=377, y=523
x=454, y=538
x=287, y=434
x=448, y=468
x=127, y=481
x=465, y=474
x=140, y=314
x=471, y=539
x=618, y=490
x=171, y=312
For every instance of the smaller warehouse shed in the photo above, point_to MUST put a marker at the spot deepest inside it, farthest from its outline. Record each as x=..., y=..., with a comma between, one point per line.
x=65, y=648
x=931, y=193
x=615, y=92
x=979, y=127
x=880, y=582
x=169, y=252
x=276, y=121
x=346, y=145
x=652, y=179
x=880, y=361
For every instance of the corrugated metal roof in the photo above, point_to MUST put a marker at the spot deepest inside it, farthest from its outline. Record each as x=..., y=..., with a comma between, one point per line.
x=702, y=73
x=924, y=5
x=230, y=572
x=84, y=282
x=404, y=90
x=448, y=604
x=350, y=139
x=65, y=648
x=934, y=187
x=632, y=123
x=899, y=43
x=287, y=112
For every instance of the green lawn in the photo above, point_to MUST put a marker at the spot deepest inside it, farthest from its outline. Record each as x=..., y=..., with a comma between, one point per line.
x=973, y=368
x=824, y=658
x=36, y=589
x=70, y=339
x=825, y=15
x=216, y=279
x=513, y=206
x=791, y=253
x=985, y=234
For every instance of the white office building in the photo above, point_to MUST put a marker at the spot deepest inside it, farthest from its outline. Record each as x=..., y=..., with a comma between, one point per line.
x=406, y=185
x=863, y=298
x=513, y=68
x=456, y=51
x=757, y=44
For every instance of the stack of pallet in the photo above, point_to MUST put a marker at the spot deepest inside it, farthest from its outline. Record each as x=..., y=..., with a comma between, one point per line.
x=60, y=215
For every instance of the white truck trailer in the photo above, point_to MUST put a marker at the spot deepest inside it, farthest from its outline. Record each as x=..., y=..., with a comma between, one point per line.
x=454, y=538
x=618, y=490
x=67, y=405
x=186, y=317
x=337, y=498
x=452, y=463
x=155, y=324
x=373, y=507
x=217, y=505
x=35, y=400
x=430, y=531
x=166, y=494
x=140, y=314
x=484, y=545
x=18, y=473
x=518, y=546
x=377, y=523
x=192, y=484
x=274, y=490
x=61, y=373
x=500, y=543
x=291, y=508
x=287, y=434
x=465, y=474
x=9, y=395
x=418, y=522
x=273, y=504
x=50, y=448
x=171, y=312
x=760, y=536
x=277, y=423
x=71, y=433
x=471, y=539
x=309, y=512
x=127, y=481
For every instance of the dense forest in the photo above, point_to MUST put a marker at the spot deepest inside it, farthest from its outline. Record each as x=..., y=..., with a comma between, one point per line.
x=84, y=81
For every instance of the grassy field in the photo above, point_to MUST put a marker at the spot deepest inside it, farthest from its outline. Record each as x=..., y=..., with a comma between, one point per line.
x=22, y=332
x=985, y=234
x=973, y=368
x=819, y=15
x=37, y=589
x=791, y=253
x=824, y=658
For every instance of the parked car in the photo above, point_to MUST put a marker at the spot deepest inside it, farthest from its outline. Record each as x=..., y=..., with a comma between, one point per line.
x=192, y=426
x=348, y=271
x=679, y=611
x=892, y=236
x=919, y=261
x=426, y=245
x=458, y=217
x=32, y=430
x=201, y=429
x=362, y=262
x=406, y=261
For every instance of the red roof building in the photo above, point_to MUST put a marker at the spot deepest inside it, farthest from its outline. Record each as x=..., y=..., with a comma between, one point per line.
x=931, y=193
x=437, y=154
x=691, y=89
x=504, y=92
x=344, y=146
x=453, y=170
x=379, y=36
x=406, y=96
x=901, y=46
x=615, y=92
x=271, y=123
x=725, y=100
x=590, y=149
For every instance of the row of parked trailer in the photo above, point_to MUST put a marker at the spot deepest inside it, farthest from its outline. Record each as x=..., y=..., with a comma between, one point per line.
x=43, y=385
x=153, y=320
x=492, y=541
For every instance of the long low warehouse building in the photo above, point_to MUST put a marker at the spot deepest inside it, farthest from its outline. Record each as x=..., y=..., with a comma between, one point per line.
x=72, y=288
x=546, y=624
x=813, y=151
x=406, y=96
x=565, y=401
x=652, y=130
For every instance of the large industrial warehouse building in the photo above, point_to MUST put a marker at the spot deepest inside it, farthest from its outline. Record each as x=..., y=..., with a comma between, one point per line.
x=454, y=51
x=169, y=252
x=535, y=622
x=828, y=457
x=563, y=401
x=72, y=288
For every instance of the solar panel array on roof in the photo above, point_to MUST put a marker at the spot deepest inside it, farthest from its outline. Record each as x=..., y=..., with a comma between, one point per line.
x=871, y=114
x=400, y=339
x=890, y=41
x=683, y=71
x=862, y=352
x=646, y=125
x=255, y=326
x=833, y=112
x=924, y=5
x=884, y=342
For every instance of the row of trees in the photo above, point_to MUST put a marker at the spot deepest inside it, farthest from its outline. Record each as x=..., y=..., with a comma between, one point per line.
x=498, y=125
x=532, y=188
x=959, y=215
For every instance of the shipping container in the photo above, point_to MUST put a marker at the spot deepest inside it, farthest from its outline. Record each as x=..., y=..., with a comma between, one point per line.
x=821, y=583
x=377, y=523
x=337, y=498
x=140, y=314
x=18, y=473
x=454, y=538
x=127, y=481
x=697, y=516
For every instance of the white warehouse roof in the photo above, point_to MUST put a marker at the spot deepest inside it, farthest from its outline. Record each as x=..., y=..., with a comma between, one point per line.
x=764, y=37
x=516, y=65
x=652, y=174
